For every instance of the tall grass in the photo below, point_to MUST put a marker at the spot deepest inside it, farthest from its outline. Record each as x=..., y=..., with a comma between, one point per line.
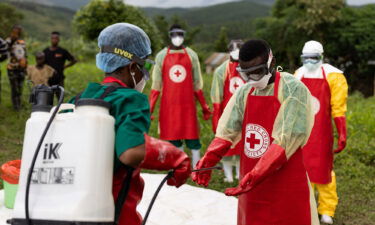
x=355, y=166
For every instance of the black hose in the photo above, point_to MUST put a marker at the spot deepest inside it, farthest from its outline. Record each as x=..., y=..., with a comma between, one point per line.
x=169, y=175
x=28, y=221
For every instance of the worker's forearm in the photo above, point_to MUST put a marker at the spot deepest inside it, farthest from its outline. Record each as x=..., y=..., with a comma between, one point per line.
x=133, y=156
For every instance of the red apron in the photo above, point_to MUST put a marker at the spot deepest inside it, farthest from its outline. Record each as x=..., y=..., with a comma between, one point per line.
x=178, y=113
x=232, y=82
x=283, y=198
x=129, y=214
x=317, y=153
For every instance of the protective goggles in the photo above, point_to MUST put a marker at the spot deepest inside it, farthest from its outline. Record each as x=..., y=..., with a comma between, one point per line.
x=255, y=73
x=145, y=64
x=311, y=58
x=177, y=32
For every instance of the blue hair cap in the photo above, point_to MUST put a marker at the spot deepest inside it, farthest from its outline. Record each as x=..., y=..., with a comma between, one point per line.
x=125, y=36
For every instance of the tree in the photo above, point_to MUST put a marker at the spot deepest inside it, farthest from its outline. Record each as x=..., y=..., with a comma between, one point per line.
x=351, y=45
x=163, y=26
x=293, y=22
x=222, y=42
x=9, y=16
x=91, y=19
x=345, y=33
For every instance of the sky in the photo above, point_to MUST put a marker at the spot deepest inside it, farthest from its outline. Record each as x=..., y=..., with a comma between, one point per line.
x=198, y=3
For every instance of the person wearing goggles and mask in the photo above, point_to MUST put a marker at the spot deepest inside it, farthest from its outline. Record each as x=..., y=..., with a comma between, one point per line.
x=177, y=75
x=225, y=82
x=329, y=88
x=272, y=118
x=123, y=57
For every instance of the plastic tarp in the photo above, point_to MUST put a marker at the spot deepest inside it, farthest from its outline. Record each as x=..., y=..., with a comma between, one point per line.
x=186, y=205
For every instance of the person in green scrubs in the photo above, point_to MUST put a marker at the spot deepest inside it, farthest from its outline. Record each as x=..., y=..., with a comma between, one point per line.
x=124, y=49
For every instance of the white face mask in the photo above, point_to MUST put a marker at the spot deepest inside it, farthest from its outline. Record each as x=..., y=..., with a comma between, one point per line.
x=262, y=83
x=311, y=67
x=235, y=54
x=140, y=86
x=177, y=41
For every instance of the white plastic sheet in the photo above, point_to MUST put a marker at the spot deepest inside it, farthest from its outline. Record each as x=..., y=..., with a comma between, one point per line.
x=186, y=205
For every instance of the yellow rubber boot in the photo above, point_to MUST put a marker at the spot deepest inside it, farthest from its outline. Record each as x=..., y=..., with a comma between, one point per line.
x=327, y=200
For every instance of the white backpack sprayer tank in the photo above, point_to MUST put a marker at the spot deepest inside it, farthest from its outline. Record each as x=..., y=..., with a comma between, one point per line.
x=71, y=181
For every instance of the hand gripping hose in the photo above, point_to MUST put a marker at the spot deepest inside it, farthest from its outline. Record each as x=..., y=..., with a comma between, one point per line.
x=169, y=175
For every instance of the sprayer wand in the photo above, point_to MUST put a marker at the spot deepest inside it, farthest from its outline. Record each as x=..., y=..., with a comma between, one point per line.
x=169, y=175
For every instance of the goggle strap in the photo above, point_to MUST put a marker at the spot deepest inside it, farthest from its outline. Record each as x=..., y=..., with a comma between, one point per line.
x=123, y=53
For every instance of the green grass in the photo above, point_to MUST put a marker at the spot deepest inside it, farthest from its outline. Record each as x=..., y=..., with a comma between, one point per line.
x=354, y=167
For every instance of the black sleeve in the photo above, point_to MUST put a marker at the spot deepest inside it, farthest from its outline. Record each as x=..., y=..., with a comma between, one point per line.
x=68, y=56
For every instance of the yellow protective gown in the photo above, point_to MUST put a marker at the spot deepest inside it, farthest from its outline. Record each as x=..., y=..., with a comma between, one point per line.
x=338, y=86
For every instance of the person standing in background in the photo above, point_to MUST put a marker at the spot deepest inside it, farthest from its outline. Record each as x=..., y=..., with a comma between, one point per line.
x=177, y=74
x=3, y=56
x=225, y=82
x=17, y=65
x=56, y=57
x=329, y=88
x=40, y=73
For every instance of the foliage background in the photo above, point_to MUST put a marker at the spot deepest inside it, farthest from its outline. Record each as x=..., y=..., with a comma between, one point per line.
x=346, y=32
x=354, y=167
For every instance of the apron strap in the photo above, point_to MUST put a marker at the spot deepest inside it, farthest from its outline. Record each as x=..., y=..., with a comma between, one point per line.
x=123, y=193
x=111, y=88
x=185, y=50
x=276, y=87
x=324, y=73
x=78, y=97
x=108, y=90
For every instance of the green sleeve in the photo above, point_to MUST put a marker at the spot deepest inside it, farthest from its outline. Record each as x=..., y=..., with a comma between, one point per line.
x=217, y=87
x=157, y=81
x=132, y=121
x=197, y=74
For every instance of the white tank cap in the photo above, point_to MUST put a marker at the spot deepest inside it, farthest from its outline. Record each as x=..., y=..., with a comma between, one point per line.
x=312, y=47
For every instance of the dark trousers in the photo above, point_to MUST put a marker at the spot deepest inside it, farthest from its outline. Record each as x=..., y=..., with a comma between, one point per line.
x=57, y=80
x=16, y=78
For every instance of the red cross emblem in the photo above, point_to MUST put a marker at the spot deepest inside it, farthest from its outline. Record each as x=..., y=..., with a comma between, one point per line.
x=257, y=140
x=235, y=83
x=253, y=141
x=177, y=73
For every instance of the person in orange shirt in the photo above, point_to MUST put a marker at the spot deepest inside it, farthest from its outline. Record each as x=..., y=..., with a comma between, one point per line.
x=329, y=89
x=17, y=65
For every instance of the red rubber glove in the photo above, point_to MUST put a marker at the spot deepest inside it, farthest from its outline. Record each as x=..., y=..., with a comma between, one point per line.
x=216, y=116
x=154, y=95
x=271, y=161
x=205, y=108
x=215, y=152
x=340, y=123
x=162, y=155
